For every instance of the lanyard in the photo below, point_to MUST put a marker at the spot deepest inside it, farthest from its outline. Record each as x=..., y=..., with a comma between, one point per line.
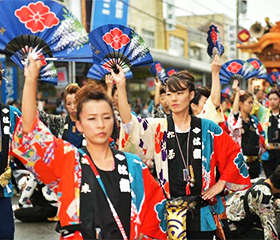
x=114, y=212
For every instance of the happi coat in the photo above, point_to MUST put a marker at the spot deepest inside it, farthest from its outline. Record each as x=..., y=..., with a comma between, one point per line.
x=59, y=164
x=148, y=139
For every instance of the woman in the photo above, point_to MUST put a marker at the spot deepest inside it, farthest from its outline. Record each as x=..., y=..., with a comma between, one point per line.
x=186, y=150
x=65, y=127
x=246, y=130
x=102, y=192
x=253, y=212
x=161, y=108
x=273, y=134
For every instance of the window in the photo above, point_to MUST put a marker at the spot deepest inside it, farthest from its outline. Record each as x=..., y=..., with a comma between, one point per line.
x=176, y=46
x=149, y=38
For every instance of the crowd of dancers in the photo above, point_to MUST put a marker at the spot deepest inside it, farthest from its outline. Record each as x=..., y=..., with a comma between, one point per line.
x=90, y=170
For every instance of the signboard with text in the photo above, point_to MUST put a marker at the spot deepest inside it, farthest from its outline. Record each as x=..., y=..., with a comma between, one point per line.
x=109, y=12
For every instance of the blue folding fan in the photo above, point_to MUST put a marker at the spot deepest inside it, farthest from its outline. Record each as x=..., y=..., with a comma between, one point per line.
x=44, y=25
x=274, y=78
x=98, y=72
x=226, y=91
x=158, y=70
x=236, y=69
x=259, y=67
x=117, y=44
x=215, y=45
x=170, y=71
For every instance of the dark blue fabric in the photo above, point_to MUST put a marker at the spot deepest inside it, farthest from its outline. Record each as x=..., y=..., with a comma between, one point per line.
x=74, y=138
x=7, y=227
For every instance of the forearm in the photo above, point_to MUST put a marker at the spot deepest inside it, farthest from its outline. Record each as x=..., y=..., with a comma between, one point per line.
x=124, y=108
x=216, y=90
x=235, y=106
x=29, y=103
x=157, y=95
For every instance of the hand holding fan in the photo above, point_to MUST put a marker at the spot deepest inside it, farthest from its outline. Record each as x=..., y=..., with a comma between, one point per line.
x=44, y=25
x=99, y=72
x=215, y=45
x=236, y=70
x=115, y=44
x=158, y=70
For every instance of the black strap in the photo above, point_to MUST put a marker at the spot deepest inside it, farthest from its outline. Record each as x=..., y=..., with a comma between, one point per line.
x=5, y=124
x=66, y=130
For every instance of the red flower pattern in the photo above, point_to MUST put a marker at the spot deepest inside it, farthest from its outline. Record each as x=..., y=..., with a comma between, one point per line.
x=171, y=72
x=158, y=67
x=214, y=36
x=36, y=17
x=43, y=60
x=255, y=64
x=116, y=39
x=158, y=139
x=234, y=67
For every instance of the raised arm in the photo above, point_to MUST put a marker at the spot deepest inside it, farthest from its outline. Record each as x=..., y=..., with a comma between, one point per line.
x=124, y=107
x=31, y=73
x=235, y=106
x=216, y=85
x=157, y=93
x=109, y=84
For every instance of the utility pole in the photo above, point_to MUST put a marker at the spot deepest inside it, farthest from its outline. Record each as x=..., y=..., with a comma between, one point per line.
x=237, y=25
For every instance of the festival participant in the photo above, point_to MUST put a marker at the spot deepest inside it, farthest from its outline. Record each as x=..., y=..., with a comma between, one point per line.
x=246, y=130
x=161, y=108
x=8, y=117
x=42, y=201
x=102, y=192
x=65, y=127
x=207, y=104
x=252, y=212
x=186, y=150
x=273, y=134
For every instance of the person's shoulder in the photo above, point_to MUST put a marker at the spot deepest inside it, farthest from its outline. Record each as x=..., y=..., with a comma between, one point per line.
x=210, y=125
x=14, y=110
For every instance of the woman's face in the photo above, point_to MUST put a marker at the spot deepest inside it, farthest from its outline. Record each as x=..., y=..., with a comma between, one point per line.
x=70, y=105
x=96, y=121
x=179, y=101
x=162, y=100
x=274, y=101
x=197, y=108
x=247, y=105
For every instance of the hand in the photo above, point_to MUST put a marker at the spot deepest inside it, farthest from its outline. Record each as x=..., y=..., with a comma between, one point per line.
x=109, y=80
x=214, y=190
x=32, y=71
x=119, y=77
x=216, y=64
x=157, y=82
x=235, y=86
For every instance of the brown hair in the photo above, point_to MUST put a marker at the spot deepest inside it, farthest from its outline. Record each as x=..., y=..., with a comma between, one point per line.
x=245, y=96
x=91, y=91
x=274, y=91
x=174, y=82
x=72, y=88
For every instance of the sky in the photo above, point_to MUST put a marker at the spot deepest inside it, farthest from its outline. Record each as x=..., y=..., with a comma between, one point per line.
x=257, y=10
